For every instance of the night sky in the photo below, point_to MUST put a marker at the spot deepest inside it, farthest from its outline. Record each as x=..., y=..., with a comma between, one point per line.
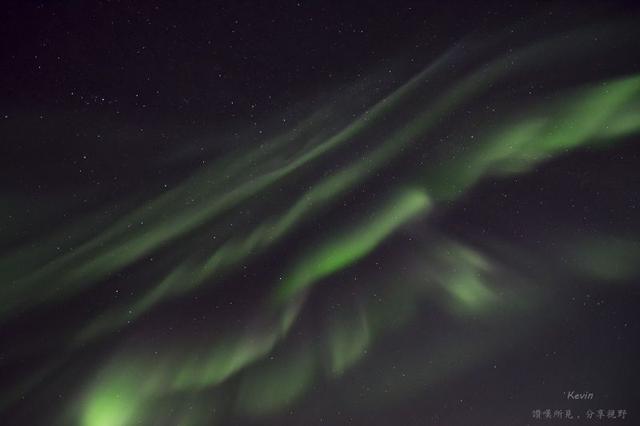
x=319, y=213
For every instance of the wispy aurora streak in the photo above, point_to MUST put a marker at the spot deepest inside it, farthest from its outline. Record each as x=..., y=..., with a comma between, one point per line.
x=256, y=366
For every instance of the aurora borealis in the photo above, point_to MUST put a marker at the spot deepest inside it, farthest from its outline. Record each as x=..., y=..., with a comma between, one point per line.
x=427, y=219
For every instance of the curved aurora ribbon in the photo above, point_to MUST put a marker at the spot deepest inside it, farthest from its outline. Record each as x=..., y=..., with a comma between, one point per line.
x=188, y=244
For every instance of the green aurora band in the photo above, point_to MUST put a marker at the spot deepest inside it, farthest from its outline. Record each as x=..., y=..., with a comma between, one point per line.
x=261, y=367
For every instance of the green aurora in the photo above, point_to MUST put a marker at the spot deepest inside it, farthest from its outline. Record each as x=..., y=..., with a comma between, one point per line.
x=195, y=240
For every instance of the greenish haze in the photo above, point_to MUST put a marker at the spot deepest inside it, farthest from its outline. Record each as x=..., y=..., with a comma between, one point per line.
x=275, y=384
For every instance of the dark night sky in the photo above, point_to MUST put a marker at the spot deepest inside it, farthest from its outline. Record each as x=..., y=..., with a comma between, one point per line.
x=458, y=248
x=119, y=81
